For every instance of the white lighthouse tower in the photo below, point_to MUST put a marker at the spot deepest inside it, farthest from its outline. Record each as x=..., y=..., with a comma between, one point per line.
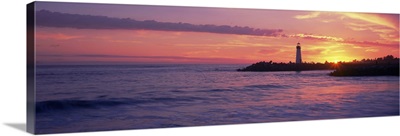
x=298, y=53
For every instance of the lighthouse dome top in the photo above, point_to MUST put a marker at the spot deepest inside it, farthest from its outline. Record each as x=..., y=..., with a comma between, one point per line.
x=298, y=45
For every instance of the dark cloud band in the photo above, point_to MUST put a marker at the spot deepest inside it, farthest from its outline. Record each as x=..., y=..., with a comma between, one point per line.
x=214, y=59
x=57, y=19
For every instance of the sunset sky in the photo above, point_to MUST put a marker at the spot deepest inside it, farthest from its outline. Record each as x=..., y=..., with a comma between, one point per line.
x=98, y=33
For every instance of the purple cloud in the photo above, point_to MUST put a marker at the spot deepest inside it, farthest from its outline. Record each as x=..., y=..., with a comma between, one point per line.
x=57, y=19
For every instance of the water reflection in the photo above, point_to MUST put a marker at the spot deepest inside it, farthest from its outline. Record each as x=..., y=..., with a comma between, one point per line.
x=149, y=97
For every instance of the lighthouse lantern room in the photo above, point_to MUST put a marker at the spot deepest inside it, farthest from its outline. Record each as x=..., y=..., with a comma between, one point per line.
x=298, y=54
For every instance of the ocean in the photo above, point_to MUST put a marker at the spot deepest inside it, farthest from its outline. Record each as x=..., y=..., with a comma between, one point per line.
x=78, y=98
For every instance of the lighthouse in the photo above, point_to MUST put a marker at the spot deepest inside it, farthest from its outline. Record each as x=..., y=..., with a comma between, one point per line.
x=298, y=54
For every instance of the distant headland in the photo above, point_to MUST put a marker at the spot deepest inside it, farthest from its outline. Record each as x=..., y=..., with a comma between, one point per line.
x=273, y=66
x=384, y=66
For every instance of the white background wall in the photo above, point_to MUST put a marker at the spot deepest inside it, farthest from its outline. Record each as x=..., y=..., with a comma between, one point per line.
x=13, y=67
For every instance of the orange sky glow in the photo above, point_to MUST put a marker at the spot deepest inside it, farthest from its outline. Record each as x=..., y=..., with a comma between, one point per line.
x=324, y=36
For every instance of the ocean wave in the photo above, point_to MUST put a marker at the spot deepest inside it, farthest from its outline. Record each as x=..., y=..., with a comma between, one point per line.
x=56, y=105
x=268, y=86
x=247, y=88
x=73, y=73
x=217, y=90
x=68, y=104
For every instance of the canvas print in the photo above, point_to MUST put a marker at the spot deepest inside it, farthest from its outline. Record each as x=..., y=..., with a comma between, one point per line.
x=95, y=67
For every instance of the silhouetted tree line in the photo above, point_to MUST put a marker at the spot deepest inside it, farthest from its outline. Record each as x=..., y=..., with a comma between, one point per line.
x=383, y=60
x=274, y=66
x=387, y=65
x=384, y=66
